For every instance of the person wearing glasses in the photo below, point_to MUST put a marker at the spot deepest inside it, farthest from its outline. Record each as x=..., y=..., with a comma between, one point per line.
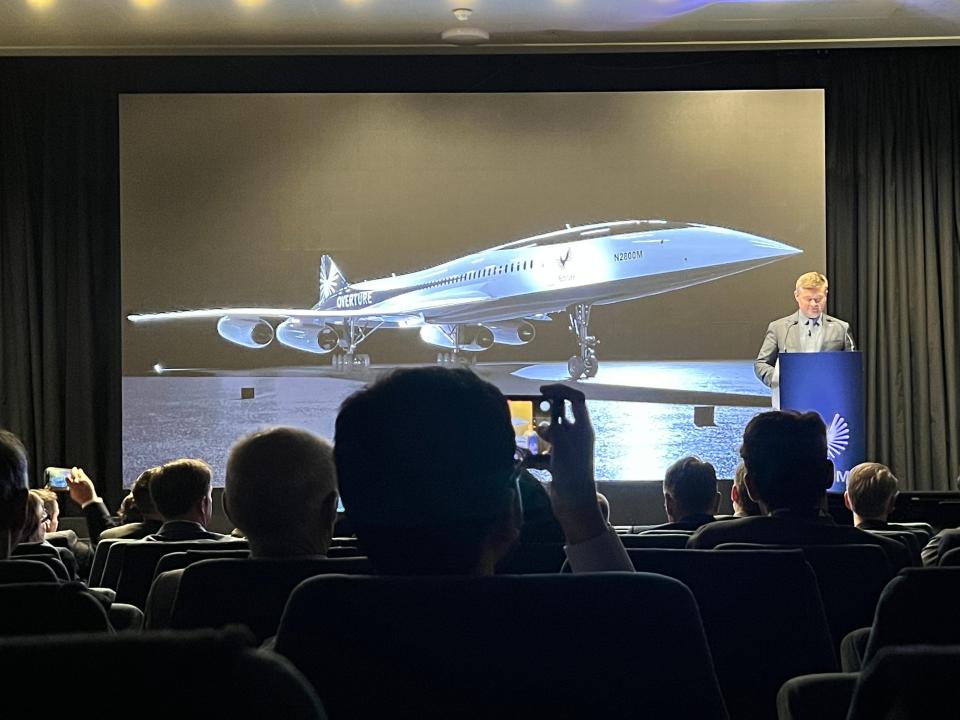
x=809, y=329
x=427, y=469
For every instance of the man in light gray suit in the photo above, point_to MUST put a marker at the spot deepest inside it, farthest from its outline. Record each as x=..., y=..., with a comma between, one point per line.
x=809, y=329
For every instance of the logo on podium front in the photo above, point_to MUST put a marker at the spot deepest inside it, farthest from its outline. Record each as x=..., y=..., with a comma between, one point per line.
x=838, y=436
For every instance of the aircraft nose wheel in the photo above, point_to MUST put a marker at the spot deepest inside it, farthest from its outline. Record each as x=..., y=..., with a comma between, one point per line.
x=591, y=365
x=586, y=364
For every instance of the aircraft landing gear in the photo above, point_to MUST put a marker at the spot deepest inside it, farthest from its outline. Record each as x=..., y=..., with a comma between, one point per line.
x=455, y=357
x=351, y=359
x=586, y=363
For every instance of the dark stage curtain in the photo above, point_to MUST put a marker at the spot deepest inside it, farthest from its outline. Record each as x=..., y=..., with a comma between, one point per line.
x=59, y=265
x=893, y=244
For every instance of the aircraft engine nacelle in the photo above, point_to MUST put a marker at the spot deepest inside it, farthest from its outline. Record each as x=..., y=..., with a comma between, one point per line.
x=473, y=338
x=251, y=332
x=311, y=337
x=512, y=332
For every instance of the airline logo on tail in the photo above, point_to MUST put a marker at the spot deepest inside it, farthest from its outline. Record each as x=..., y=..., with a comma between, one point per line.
x=331, y=281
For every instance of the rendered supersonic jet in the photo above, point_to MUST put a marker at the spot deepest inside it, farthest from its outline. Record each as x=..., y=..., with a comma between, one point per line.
x=494, y=296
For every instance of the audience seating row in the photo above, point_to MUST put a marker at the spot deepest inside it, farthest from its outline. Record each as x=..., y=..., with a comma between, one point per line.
x=217, y=592
x=806, y=599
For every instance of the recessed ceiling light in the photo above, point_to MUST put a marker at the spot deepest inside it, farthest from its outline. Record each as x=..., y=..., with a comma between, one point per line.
x=250, y=3
x=146, y=4
x=41, y=4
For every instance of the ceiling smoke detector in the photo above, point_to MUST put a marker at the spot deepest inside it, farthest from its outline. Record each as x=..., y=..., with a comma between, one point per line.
x=463, y=35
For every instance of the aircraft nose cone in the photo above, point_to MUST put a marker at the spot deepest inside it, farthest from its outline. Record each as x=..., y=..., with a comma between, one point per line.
x=773, y=248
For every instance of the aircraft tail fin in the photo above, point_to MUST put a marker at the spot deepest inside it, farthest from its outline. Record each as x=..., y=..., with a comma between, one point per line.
x=331, y=280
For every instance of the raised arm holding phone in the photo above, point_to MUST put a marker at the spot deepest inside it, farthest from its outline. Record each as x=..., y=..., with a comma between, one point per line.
x=592, y=545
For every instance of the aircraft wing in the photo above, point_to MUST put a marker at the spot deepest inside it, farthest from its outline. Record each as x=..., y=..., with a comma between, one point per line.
x=401, y=309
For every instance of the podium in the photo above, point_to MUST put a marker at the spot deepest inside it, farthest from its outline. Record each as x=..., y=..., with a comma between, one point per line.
x=831, y=384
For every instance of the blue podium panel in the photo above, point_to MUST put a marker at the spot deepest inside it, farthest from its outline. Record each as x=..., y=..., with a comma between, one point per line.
x=831, y=384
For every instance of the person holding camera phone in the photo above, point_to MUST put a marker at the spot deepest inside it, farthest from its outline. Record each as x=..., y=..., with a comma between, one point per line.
x=100, y=525
x=427, y=504
x=592, y=544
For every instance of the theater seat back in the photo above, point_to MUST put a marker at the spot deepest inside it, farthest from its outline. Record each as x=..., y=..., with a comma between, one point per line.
x=763, y=617
x=172, y=675
x=511, y=646
x=251, y=592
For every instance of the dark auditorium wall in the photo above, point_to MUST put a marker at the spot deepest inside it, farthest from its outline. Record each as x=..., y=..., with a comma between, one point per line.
x=893, y=220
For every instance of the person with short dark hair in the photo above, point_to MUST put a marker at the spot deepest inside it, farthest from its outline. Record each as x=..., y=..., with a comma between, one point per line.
x=13, y=491
x=182, y=493
x=690, y=495
x=788, y=473
x=426, y=464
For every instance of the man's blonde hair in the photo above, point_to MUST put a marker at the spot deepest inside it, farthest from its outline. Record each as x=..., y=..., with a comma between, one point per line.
x=870, y=486
x=812, y=281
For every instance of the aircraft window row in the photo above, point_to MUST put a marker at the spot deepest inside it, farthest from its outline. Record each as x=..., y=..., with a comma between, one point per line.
x=486, y=272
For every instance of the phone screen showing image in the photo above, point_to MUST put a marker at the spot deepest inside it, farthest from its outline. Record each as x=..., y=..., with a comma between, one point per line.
x=526, y=414
x=57, y=478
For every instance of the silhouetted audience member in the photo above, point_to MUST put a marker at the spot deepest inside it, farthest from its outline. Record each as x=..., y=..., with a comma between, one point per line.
x=100, y=525
x=13, y=491
x=280, y=491
x=690, y=495
x=788, y=473
x=743, y=504
x=128, y=512
x=870, y=495
x=183, y=495
x=426, y=464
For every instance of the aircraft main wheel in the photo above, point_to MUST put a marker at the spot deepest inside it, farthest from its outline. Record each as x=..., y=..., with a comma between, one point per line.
x=591, y=365
x=575, y=367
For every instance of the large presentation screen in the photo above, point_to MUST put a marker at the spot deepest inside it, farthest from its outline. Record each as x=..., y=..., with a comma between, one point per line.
x=282, y=250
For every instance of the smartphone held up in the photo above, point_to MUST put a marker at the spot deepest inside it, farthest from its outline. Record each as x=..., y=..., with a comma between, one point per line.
x=56, y=478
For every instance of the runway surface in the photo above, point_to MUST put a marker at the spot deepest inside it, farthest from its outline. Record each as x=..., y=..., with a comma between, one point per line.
x=643, y=412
